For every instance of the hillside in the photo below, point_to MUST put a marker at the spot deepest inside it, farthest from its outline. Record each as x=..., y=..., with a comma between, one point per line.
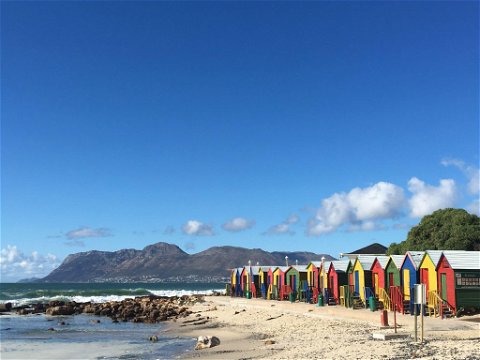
x=166, y=262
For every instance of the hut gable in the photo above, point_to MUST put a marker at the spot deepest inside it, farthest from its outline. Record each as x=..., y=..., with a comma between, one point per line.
x=415, y=258
x=317, y=264
x=397, y=260
x=381, y=260
x=365, y=261
x=434, y=256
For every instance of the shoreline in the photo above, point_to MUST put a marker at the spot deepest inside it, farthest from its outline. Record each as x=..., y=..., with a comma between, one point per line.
x=266, y=329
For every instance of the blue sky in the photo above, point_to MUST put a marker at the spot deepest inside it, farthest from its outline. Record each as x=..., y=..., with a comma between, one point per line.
x=316, y=126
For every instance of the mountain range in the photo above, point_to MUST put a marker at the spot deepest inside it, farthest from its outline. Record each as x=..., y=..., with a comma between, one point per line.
x=163, y=262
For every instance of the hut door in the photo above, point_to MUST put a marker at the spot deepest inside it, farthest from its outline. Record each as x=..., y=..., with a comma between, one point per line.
x=391, y=282
x=375, y=283
x=424, y=278
x=444, y=286
x=406, y=283
x=357, y=280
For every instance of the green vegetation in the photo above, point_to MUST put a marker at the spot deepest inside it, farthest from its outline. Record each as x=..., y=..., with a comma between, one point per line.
x=447, y=229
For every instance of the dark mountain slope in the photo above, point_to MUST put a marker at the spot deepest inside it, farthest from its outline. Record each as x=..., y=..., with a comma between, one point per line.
x=167, y=262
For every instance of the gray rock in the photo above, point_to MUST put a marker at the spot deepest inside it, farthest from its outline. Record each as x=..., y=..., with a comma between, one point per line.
x=205, y=342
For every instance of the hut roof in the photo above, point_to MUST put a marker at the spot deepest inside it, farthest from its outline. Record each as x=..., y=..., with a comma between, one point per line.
x=340, y=265
x=366, y=261
x=397, y=260
x=315, y=263
x=434, y=256
x=300, y=268
x=281, y=268
x=461, y=259
x=327, y=265
x=382, y=259
x=262, y=268
x=415, y=256
x=375, y=248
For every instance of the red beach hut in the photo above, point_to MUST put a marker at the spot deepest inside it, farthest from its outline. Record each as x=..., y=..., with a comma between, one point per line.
x=337, y=277
x=458, y=280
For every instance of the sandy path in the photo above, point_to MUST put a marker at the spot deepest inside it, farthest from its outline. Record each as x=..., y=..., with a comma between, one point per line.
x=303, y=331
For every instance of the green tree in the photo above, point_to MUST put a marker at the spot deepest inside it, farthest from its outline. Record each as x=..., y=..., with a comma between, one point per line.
x=447, y=229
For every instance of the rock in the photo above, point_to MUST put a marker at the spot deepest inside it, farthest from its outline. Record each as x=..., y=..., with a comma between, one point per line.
x=269, y=342
x=60, y=310
x=5, y=307
x=205, y=342
x=153, y=338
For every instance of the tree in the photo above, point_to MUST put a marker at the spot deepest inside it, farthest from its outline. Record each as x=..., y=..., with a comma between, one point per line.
x=447, y=229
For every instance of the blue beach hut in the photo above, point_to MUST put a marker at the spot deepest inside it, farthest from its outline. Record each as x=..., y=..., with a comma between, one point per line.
x=410, y=275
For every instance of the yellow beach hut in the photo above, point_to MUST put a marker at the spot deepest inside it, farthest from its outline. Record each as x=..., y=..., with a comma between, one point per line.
x=362, y=275
x=428, y=275
x=323, y=278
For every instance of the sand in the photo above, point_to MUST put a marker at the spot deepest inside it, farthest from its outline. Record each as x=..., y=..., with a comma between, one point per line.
x=261, y=329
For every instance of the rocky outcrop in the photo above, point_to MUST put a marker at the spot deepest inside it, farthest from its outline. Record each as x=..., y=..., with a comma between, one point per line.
x=146, y=309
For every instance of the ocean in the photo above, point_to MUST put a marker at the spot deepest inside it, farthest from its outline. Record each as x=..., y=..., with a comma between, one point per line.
x=40, y=335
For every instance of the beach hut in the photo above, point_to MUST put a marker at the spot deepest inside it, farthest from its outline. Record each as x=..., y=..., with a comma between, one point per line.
x=270, y=294
x=458, y=281
x=378, y=274
x=337, y=277
x=296, y=279
x=313, y=269
x=255, y=279
x=362, y=278
x=428, y=276
x=279, y=282
x=392, y=271
x=410, y=275
x=323, y=279
x=236, y=287
x=245, y=281
x=264, y=280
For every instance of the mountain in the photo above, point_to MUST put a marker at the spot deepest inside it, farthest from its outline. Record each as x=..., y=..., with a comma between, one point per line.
x=166, y=262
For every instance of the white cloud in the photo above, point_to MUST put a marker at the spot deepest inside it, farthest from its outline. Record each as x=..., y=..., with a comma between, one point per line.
x=284, y=228
x=197, y=228
x=279, y=229
x=471, y=172
x=359, y=208
x=87, y=232
x=366, y=226
x=238, y=224
x=15, y=265
x=292, y=219
x=427, y=198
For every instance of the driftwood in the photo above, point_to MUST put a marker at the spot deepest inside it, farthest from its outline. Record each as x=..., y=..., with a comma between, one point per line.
x=274, y=317
x=201, y=322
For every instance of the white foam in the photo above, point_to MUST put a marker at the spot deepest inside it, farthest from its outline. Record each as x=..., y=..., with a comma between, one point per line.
x=171, y=293
x=108, y=298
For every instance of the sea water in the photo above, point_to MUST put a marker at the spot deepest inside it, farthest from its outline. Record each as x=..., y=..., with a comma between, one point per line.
x=43, y=332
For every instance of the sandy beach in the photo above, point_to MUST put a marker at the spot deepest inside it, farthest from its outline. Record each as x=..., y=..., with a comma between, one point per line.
x=260, y=329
